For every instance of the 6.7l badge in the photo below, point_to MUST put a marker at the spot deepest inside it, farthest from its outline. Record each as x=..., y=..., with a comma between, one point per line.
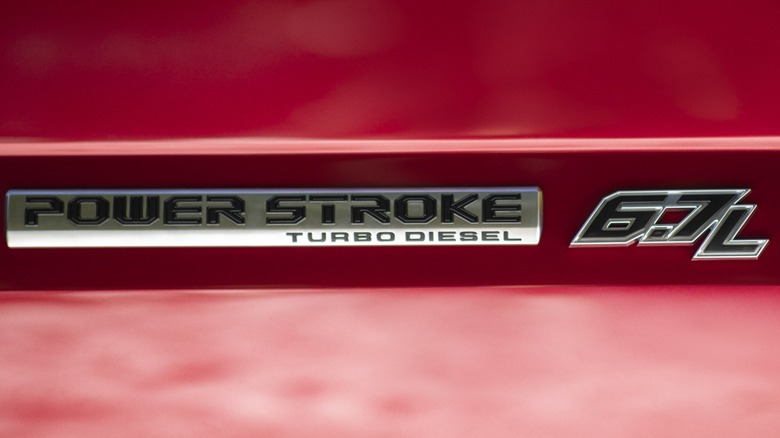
x=626, y=217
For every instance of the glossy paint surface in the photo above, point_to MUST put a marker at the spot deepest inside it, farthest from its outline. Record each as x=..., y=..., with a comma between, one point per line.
x=205, y=342
x=388, y=68
x=637, y=361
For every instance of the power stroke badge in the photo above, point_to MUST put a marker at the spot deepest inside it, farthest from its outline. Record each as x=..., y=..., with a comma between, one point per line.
x=625, y=217
x=259, y=217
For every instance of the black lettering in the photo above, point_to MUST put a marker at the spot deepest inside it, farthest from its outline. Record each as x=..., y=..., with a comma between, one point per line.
x=297, y=213
x=723, y=244
x=490, y=236
x=75, y=210
x=611, y=224
x=447, y=236
x=490, y=208
x=322, y=238
x=415, y=236
x=135, y=215
x=450, y=208
x=294, y=236
x=235, y=213
x=385, y=236
x=509, y=238
x=335, y=237
x=378, y=211
x=173, y=210
x=56, y=207
x=469, y=236
x=402, y=209
x=713, y=203
x=328, y=210
x=362, y=237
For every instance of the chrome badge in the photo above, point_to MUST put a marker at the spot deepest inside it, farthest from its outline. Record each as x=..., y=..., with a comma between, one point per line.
x=254, y=217
x=625, y=217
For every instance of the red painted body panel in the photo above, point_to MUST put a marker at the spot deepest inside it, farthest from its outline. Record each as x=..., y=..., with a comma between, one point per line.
x=400, y=68
x=632, y=361
x=224, y=341
x=572, y=181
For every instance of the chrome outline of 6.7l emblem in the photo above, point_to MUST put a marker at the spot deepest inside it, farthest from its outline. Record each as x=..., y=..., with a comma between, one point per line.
x=625, y=217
